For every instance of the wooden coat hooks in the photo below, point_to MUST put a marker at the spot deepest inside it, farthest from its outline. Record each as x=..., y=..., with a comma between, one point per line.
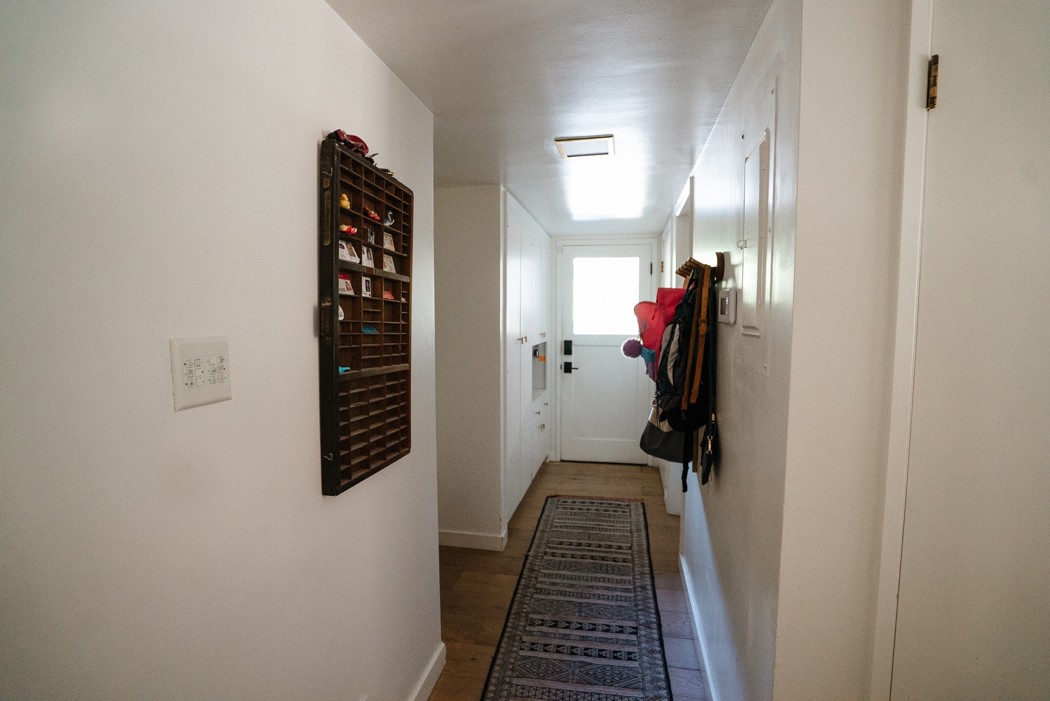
x=718, y=270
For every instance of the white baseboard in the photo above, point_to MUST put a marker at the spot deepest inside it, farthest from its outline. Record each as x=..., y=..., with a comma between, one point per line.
x=476, y=541
x=698, y=630
x=430, y=676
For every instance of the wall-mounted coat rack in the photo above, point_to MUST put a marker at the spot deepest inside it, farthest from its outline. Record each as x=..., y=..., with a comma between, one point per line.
x=718, y=271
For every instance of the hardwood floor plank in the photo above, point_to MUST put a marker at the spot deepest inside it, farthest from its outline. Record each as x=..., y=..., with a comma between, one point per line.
x=681, y=653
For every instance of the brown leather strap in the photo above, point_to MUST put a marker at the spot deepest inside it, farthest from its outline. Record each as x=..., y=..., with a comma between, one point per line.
x=690, y=364
x=701, y=337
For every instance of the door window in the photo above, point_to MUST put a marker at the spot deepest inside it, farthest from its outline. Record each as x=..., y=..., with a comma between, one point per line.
x=604, y=292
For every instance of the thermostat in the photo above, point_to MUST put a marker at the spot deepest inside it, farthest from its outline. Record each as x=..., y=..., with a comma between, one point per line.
x=727, y=306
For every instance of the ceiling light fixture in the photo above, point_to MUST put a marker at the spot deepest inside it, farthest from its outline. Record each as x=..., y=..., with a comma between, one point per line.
x=579, y=146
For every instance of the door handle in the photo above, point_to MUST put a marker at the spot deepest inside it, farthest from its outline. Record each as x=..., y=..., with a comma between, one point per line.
x=568, y=367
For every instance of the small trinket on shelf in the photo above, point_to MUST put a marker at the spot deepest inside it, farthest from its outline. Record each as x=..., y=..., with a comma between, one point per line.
x=348, y=253
x=389, y=221
x=371, y=214
x=356, y=143
x=348, y=229
x=344, y=201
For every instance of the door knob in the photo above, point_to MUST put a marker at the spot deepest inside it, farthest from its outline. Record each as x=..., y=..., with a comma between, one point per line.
x=568, y=367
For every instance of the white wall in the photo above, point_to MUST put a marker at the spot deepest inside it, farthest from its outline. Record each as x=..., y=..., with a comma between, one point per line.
x=486, y=300
x=780, y=555
x=469, y=368
x=159, y=180
x=849, y=166
x=732, y=528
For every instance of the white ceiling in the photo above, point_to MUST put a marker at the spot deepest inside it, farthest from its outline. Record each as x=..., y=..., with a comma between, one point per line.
x=505, y=77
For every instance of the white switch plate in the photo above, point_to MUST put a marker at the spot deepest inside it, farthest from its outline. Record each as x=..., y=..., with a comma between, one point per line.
x=200, y=371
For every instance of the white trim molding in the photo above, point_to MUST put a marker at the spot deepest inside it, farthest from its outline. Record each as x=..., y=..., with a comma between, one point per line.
x=475, y=541
x=694, y=619
x=429, y=679
x=902, y=391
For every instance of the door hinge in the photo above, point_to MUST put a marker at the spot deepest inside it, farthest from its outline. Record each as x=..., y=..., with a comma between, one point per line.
x=661, y=266
x=650, y=268
x=931, y=81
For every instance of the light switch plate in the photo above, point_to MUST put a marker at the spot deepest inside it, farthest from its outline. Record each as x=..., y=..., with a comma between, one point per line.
x=200, y=371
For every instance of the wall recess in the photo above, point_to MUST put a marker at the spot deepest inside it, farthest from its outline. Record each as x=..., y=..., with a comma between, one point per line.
x=754, y=243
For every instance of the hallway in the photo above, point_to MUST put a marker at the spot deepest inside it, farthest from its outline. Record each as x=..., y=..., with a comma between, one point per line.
x=477, y=585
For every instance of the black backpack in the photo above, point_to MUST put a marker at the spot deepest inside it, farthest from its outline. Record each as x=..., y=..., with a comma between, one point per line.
x=678, y=352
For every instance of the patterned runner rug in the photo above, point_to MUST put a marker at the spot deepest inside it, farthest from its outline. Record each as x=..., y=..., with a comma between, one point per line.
x=583, y=625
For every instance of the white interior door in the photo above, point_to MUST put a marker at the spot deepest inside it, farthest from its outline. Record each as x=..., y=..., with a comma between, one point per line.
x=604, y=395
x=973, y=619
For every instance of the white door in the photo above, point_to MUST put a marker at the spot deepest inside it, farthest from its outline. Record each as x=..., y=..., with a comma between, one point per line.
x=604, y=395
x=973, y=617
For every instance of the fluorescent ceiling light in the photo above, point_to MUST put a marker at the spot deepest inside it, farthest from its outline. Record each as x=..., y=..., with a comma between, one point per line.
x=595, y=191
x=578, y=146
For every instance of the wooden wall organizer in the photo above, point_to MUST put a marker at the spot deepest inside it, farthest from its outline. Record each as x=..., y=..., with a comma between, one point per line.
x=365, y=318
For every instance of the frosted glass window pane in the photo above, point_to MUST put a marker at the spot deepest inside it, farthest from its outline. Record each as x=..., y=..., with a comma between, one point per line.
x=604, y=292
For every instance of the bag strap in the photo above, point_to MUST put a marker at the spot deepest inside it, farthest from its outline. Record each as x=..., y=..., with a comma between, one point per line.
x=711, y=430
x=692, y=368
x=688, y=440
x=701, y=350
x=696, y=348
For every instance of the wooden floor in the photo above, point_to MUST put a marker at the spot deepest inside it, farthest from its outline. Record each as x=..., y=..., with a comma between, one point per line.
x=477, y=585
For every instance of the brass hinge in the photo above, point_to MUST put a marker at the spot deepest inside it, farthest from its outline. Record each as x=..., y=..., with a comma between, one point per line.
x=931, y=82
